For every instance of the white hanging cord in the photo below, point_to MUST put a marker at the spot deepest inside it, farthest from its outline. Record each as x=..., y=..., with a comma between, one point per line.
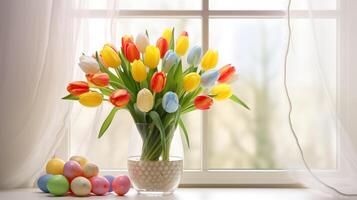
x=290, y=111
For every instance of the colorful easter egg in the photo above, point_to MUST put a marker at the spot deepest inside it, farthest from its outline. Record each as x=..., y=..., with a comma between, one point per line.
x=110, y=178
x=55, y=166
x=72, y=169
x=100, y=185
x=90, y=170
x=58, y=185
x=80, y=159
x=42, y=182
x=81, y=186
x=121, y=185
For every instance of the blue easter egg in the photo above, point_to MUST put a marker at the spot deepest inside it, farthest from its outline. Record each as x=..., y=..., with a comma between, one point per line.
x=42, y=182
x=110, y=178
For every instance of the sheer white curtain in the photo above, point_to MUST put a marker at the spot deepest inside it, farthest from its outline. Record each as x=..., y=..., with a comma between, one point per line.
x=340, y=103
x=37, y=42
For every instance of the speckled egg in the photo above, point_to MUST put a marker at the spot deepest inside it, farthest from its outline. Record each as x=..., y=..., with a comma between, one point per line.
x=80, y=159
x=58, y=185
x=72, y=169
x=81, y=186
x=90, y=170
x=42, y=182
x=121, y=185
x=100, y=185
x=110, y=178
x=55, y=166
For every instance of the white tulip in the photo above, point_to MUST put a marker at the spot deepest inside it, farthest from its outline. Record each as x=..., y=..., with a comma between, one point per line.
x=88, y=64
x=142, y=42
x=144, y=100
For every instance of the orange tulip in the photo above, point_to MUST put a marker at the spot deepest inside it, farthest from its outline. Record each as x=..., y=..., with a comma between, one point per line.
x=119, y=98
x=226, y=73
x=203, y=102
x=99, y=79
x=162, y=45
x=158, y=82
x=77, y=88
x=131, y=52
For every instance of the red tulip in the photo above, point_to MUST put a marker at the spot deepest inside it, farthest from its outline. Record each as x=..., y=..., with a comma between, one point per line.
x=119, y=98
x=162, y=45
x=99, y=79
x=184, y=33
x=226, y=73
x=203, y=102
x=158, y=82
x=125, y=39
x=131, y=52
x=77, y=88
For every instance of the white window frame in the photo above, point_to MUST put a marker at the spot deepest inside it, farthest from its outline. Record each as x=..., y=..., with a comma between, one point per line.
x=204, y=176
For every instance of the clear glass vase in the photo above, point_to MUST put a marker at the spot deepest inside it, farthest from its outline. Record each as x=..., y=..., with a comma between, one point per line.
x=155, y=168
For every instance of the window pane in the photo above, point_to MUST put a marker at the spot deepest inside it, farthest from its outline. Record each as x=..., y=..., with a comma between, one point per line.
x=140, y=4
x=260, y=138
x=111, y=150
x=271, y=4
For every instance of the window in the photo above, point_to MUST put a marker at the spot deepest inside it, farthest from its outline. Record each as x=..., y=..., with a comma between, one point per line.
x=228, y=144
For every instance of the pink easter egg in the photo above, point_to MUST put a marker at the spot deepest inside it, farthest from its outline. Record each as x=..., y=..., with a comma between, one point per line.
x=121, y=185
x=100, y=185
x=72, y=169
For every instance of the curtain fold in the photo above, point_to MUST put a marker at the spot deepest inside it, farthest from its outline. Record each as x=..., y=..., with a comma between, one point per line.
x=340, y=180
x=37, y=61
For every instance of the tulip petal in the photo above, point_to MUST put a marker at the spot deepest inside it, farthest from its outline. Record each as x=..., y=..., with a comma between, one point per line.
x=144, y=100
x=91, y=99
x=170, y=102
x=221, y=91
x=88, y=64
x=194, y=56
x=152, y=56
x=209, y=78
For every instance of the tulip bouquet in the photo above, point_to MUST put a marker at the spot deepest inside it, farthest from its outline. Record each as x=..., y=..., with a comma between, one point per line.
x=155, y=93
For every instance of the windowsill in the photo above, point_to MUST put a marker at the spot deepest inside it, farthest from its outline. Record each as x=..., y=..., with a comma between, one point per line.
x=191, y=193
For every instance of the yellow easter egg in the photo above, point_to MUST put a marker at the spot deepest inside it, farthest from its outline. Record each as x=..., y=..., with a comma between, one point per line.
x=55, y=166
x=80, y=159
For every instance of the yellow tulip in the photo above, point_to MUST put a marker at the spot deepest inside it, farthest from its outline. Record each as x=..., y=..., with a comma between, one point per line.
x=144, y=100
x=209, y=60
x=191, y=81
x=221, y=91
x=182, y=45
x=138, y=71
x=110, y=57
x=91, y=99
x=167, y=35
x=152, y=56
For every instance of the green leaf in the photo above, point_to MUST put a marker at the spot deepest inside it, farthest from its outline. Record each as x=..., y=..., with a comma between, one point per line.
x=106, y=91
x=239, y=101
x=70, y=97
x=157, y=121
x=158, y=103
x=188, y=109
x=172, y=41
x=107, y=122
x=147, y=34
x=178, y=77
x=184, y=130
